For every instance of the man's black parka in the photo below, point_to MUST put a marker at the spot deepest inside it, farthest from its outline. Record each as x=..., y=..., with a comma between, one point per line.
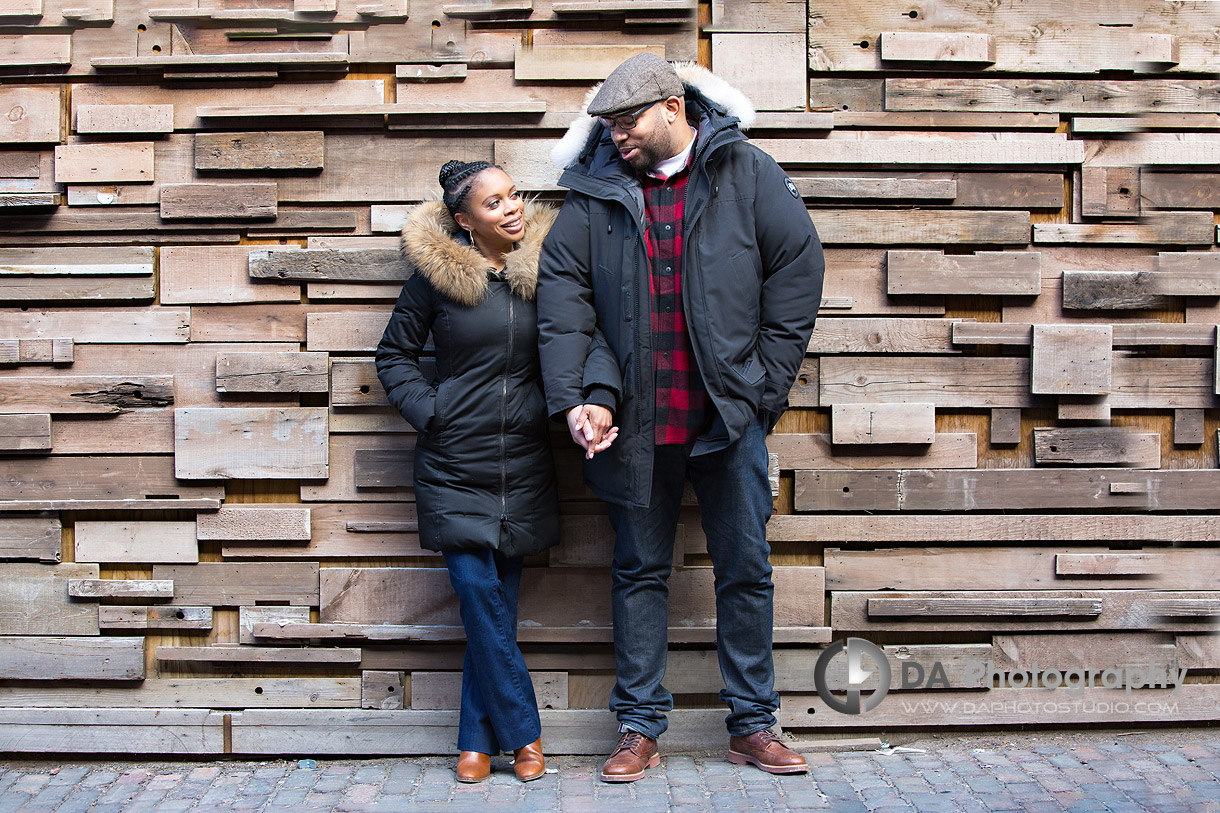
x=751, y=285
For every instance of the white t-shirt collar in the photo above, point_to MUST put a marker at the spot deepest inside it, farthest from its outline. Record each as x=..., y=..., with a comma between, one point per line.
x=669, y=166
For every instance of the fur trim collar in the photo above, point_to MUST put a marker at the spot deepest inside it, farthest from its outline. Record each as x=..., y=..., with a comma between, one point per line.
x=456, y=269
x=701, y=79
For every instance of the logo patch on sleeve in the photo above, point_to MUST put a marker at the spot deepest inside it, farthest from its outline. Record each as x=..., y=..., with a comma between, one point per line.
x=792, y=188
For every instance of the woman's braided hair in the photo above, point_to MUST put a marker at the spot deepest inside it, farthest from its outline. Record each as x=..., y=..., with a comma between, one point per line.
x=456, y=178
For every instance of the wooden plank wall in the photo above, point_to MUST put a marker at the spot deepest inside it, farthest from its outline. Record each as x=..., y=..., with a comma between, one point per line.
x=1003, y=442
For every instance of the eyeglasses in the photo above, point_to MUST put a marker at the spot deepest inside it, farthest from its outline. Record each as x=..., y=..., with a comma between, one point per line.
x=626, y=121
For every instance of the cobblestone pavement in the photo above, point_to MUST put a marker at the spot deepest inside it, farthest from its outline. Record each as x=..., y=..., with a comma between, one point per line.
x=1160, y=771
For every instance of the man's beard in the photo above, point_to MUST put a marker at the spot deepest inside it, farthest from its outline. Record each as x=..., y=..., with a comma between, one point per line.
x=652, y=152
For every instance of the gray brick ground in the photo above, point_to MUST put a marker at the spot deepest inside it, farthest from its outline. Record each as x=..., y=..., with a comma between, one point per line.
x=1162, y=771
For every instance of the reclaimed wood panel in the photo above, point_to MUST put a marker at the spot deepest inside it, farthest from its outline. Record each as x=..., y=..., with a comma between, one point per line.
x=816, y=451
x=1014, y=273
x=259, y=151
x=195, y=692
x=124, y=118
x=938, y=528
x=104, y=163
x=249, y=201
x=65, y=482
x=1097, y=446
x=153, y=617
x=104, y=730
x=272, y=372
x=34, y=600
x=147, y=541
x=230, y=584
x=250, y=523
x=30, y=538
x=1072, y=360
x=278, y=443
x=193, y=275
x=1004, y=489
x=31, y=115
x=883, y=423
x=986, y=567
x=25, y=433
x=100, y=659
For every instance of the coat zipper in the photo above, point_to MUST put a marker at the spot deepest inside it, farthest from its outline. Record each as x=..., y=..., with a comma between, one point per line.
x=639, y=351
x=504, y=419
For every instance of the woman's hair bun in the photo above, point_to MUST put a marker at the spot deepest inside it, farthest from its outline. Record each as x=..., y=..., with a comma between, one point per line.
x=449, y=170
x=456, y=178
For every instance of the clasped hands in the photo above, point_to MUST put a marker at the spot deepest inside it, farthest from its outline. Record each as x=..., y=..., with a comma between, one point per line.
x=591, y=428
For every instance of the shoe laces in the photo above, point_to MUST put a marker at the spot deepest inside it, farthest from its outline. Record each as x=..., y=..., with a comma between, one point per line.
x=766, y=736
x=629, y=741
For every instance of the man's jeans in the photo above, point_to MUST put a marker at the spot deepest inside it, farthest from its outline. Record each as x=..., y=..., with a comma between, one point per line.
x=735, y=502
x=499, y=710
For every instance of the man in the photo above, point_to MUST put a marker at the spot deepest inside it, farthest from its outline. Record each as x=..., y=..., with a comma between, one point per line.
x=687, y=251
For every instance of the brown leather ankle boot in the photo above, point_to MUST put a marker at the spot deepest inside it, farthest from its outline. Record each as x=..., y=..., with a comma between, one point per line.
x=473, y=767
x=528, y=762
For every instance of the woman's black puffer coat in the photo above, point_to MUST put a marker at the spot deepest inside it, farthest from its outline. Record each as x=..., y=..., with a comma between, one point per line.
x=484, y=476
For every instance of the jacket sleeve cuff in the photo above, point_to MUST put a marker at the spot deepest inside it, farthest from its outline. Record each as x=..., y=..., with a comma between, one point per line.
x=603, y=397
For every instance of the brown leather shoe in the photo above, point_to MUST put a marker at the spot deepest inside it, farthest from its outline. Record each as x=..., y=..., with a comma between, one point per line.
x=633, y=754
x=528, y=762
x=473, y=767
x=765, y=750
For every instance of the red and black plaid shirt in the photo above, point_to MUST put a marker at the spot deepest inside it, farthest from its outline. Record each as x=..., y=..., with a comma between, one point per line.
x=681, y=397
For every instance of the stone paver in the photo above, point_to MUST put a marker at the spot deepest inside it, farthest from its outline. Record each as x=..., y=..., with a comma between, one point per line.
x=1028, y=773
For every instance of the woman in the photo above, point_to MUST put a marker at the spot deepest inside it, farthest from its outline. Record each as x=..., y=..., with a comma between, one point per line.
x=484, y=479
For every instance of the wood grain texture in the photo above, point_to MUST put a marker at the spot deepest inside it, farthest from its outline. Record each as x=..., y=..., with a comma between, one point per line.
x=883, y=423
x=1015, y=273
x=123, y=541
x=816, y=451
x=231, y=584
x=215, y=275
x=252, y=523
x=272, y=372
x=1097, y=446
x=25, y=433
x=124, y=118
x=986, y=567
x=110, y=658
x=250, y=201
x=35, y=600
x=278, y=443
x=259, y=151
x=1003, y=489
x=31, y=115
x=35, y=537
x=101, y=163
x=982, y=528
x=1071, y=360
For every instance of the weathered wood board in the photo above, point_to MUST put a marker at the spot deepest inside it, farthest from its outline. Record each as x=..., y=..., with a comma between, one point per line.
x=35, y=537
x=34, y=600
x=272, y=372
x=278, y=443
x=231, y=585
x=110, y=658
x=148, y=541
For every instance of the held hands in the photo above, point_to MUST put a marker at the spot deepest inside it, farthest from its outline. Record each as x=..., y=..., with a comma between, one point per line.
x=590, y=427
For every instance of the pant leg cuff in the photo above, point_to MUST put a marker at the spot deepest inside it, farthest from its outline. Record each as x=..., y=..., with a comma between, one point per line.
x=746, y=729
x=653, y=734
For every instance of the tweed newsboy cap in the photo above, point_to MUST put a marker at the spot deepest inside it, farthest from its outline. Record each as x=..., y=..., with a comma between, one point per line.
x=642, y=79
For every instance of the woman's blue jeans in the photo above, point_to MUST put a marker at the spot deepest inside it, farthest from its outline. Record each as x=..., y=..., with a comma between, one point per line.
x=735, y=503
x=499, y=710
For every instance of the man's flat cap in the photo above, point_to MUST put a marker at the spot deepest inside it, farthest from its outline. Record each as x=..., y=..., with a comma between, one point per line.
x=642, y=79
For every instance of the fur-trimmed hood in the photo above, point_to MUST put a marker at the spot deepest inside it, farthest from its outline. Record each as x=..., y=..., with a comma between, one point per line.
x=456, y=269
x=714, y=88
